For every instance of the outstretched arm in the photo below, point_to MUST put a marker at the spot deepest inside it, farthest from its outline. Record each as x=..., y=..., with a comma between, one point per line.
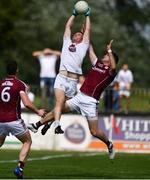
x=112, y=59
x=45, y=52
x=28, y=104
x=51, y=51
x=37, y=53
x=92, y=55
x=87, y=29
x=68, y=26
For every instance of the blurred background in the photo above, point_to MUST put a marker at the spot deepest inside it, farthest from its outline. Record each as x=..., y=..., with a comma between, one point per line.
x=30, y=25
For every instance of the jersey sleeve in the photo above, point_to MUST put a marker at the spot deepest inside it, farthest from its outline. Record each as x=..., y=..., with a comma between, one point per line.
x=23, y=87
x=94, y=62
x=66, y=40
x=131, y=77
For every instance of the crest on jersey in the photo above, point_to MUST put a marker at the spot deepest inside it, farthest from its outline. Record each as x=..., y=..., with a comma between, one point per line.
x=100, y=65
x=72, y=48
x=106, y=67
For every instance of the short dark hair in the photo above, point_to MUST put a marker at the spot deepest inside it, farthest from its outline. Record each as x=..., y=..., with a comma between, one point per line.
x=81, y=32
x=116, y=57
x=11, y=67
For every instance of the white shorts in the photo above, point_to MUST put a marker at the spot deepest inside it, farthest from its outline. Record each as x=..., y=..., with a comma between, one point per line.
x=16, y=128
x=125, y=93
x=68, y=85
x=86, y=105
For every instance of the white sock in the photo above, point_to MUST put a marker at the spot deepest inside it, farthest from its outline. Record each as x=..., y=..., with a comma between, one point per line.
x=56, y=123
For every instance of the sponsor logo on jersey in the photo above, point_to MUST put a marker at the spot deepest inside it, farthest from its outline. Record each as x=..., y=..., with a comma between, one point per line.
x=99, y=70
x=7, y=83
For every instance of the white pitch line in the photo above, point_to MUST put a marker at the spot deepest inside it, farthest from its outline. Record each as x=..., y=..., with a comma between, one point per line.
x=53, y=157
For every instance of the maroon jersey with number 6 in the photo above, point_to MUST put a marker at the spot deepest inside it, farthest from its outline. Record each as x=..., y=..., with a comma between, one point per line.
x=10, y=88
x=97, y=80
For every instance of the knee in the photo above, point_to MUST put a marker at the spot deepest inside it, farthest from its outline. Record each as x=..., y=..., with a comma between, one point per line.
x=93, y=132
x=29, y=142
x=59, y=103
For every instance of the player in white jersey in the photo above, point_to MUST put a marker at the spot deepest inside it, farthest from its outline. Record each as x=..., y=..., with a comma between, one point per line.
x=125, y=80
x=73, y=52
x=47, y=59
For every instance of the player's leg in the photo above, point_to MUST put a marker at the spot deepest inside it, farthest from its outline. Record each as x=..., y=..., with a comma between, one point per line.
x=3, y=133
x=2, y=140
x=98, y=133
x=64, y=89
x=20, y=131
x=89, y=109
x=48, y=125
x=26, y=140
x=48, y=119
x=60, y=100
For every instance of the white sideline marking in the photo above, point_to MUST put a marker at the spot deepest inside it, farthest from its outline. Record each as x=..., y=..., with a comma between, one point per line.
x=53, y=157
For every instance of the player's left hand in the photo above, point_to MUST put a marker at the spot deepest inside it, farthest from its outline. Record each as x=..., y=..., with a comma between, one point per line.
x=88, y=12
x=41, y=112
x=109, y=46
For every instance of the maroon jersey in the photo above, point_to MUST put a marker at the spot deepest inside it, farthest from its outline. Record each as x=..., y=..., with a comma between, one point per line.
x=97, y=80
x=10, y=88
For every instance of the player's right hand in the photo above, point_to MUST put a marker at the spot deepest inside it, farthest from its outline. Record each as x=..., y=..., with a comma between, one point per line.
x=74, y=12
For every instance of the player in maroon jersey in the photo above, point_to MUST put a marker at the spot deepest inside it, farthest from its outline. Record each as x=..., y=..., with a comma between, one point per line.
x=86, y=102
x=12, y=90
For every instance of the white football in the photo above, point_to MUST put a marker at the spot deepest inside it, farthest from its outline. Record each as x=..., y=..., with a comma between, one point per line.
x=81, y=7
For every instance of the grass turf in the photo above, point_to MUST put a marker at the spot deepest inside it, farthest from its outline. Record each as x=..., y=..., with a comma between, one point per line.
x=77, y=165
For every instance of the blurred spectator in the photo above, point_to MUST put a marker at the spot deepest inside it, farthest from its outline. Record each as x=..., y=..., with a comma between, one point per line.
x=125, y=80
x=81, y=81
x=108, y=98
x=116, y=98
x=30, y=95
x=47, y=59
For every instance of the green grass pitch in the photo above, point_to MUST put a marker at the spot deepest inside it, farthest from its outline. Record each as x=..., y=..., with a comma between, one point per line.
x=76, y=165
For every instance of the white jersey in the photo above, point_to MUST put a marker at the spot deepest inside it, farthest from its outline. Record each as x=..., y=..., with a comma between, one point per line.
x=72, y=55
x=125, y=77
x=47, y=63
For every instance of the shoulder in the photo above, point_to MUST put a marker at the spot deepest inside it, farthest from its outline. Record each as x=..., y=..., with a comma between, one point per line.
x=21, y=83
x=129, y=71
x=94, y=62
x=120, y=72
x=67, y=39
x=85, y=42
